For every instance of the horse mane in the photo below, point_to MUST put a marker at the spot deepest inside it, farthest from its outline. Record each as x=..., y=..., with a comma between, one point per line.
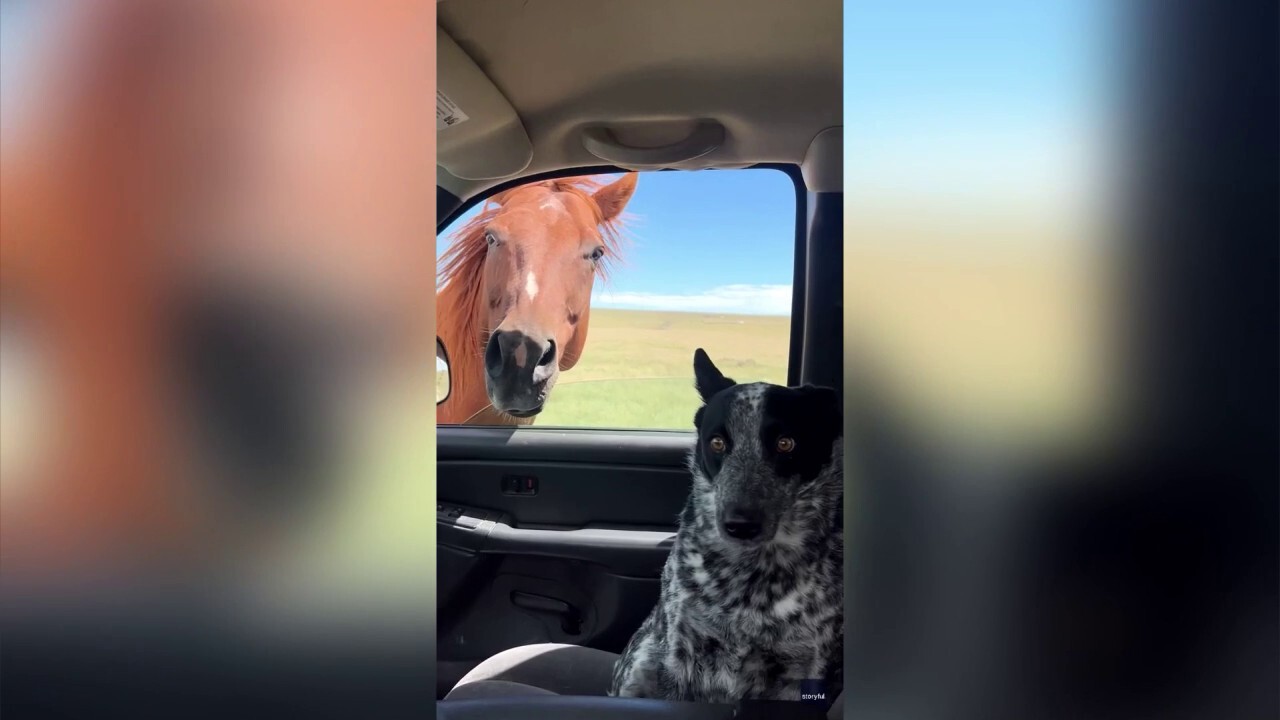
x=458, y=270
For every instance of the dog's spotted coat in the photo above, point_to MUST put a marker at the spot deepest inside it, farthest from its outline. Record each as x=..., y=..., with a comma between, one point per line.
x=750, y=619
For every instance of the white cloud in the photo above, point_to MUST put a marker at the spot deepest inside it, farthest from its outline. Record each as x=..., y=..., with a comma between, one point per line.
x=737, y=299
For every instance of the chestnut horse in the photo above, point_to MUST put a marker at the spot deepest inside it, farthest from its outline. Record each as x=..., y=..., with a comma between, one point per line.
x=515, y=295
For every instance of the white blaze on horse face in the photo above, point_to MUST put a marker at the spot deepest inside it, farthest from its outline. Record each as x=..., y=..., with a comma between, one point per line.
x=531, y=285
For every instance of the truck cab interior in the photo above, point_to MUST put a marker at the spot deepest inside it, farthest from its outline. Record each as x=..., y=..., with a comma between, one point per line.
x=541, y=586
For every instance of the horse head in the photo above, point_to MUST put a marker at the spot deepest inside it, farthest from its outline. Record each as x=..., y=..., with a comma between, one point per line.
x=536, y=252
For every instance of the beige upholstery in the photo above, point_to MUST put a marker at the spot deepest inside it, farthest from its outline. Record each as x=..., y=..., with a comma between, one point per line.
x=550, y=669
x=541, y=73
x=482, y=689
x=544, y=668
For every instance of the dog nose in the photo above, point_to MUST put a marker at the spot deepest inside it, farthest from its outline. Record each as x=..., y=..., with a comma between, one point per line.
x=742, y=523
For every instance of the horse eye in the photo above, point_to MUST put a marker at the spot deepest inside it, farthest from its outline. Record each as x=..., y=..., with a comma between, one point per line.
x=717, y=445
x=491, y=239
x=786, y=444
x=597, y=253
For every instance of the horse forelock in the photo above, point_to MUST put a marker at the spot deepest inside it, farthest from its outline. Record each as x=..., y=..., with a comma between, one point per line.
x=464, y=260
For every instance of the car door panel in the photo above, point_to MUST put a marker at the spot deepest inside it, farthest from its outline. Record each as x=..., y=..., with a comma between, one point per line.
x=657, y=448
x=551, y=535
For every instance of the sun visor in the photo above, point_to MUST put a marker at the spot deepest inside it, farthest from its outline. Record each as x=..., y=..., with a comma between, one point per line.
x=479, y=136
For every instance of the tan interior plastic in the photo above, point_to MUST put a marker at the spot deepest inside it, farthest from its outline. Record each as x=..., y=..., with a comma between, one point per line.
x=643, y=75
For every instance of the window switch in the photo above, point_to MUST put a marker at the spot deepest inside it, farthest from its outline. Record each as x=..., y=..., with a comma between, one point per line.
x=520, y=485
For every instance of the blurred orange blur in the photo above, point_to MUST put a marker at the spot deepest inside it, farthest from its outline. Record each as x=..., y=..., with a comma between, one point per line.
x=176, y=175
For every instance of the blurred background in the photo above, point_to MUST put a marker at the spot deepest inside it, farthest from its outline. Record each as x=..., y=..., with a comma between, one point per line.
x=218, y=456
x=1060, y=337
x=980, y=210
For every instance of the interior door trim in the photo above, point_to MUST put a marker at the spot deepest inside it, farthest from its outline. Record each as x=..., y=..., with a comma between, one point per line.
x=649, y=448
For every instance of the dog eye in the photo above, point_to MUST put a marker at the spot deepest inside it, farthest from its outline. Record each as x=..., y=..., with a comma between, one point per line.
x=786, y=444
x=717, y=445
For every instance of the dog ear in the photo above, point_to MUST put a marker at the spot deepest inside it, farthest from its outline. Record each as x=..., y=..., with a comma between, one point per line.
x=707, y=377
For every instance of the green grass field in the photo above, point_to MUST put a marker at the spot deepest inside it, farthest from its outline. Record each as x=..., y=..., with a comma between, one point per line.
x=637, y=371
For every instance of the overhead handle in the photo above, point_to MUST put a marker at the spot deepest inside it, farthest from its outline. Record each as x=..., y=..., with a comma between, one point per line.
x=601, y=142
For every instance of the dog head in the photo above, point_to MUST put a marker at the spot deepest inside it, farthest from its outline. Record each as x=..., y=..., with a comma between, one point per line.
x=767, y=456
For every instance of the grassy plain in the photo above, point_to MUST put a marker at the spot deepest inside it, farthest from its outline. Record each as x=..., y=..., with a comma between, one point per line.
x=637, y=371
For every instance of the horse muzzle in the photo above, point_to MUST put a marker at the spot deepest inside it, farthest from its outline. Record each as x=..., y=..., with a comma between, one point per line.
x=519, y=372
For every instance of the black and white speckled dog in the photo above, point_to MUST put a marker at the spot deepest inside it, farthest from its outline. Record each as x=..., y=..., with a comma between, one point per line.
x=752, y=599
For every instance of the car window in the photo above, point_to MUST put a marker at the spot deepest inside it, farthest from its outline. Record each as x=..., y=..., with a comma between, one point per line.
x=698, y=259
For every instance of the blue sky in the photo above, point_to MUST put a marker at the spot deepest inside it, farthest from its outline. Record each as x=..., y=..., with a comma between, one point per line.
x=706, y=241
x=1003, y=101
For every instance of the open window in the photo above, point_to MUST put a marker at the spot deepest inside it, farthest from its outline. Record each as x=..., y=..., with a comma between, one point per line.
x=579, y=301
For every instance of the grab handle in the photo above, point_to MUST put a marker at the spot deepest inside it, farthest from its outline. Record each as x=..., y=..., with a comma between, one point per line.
x=601, y=142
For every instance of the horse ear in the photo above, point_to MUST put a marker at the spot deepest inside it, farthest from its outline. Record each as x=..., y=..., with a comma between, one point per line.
x=707, y=377
x=613, y=197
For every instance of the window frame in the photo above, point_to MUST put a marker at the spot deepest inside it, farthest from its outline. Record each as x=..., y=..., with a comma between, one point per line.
x=449, y=208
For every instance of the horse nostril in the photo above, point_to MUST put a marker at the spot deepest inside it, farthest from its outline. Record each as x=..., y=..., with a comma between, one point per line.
x=493, y=357
x=549, y=355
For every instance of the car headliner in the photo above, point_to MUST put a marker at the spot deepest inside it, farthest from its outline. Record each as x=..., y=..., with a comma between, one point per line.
x=532, y=76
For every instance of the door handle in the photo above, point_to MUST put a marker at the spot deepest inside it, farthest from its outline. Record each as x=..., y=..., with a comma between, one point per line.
x=570, y=617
